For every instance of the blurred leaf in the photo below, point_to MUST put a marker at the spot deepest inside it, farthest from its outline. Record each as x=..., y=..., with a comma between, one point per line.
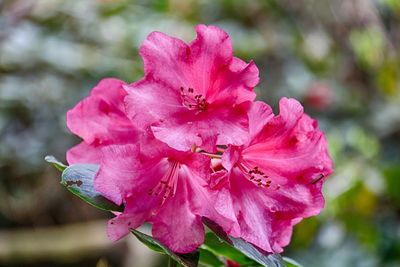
x=368, y=44
x=209, y=259
x=58, y=164
x=78, y=179
x=291, y=263
x=393, y=4
x=392, y=179
x=304, y=233
x=387, y=77
x=356, y=209
x=234, y=245
x=186, y=260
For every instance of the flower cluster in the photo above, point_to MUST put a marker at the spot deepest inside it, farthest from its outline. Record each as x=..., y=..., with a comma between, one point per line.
x=188, y=141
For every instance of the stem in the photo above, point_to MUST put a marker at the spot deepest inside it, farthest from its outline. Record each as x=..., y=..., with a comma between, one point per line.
x=172, y=262
x=213, y=156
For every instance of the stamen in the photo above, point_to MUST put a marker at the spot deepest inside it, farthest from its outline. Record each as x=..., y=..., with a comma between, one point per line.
x=167, y=185
x=255, y=175
x=318, y=178
x=197, y=102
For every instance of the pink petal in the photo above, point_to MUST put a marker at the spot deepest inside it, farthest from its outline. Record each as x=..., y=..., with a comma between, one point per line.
x=259, y=115
x=100, y=118
x=228, y=126
x=137, y=209
x=267, y=216
x=176, y=225
x=206, y=67
x=84, y=153
x=210, y=51
x=290, y=145
x=165, y=60
x=122, y=174
x=150, y=103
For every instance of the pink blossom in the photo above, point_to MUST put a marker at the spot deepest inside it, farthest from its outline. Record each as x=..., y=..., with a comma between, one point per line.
x=151, y=137
x=159, y=185
x=275, y=179
x=192, y=93
x=100, y=120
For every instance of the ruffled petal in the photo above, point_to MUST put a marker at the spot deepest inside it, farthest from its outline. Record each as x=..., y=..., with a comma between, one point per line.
x=266, y=216
x=290, y=146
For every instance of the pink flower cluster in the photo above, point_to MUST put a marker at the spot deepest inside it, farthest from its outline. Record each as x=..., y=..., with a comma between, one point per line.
x=188, y=141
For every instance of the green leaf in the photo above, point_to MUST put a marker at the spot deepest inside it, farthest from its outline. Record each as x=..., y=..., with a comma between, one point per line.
x=186, y=260
x=291, y=263
x=209, y=259
x=78, y=179
x=59, y=165
x=218, y=246
x=245, y=248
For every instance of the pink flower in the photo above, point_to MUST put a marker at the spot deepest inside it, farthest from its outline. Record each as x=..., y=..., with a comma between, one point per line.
x=159, y=185
x=192, y=94
x=100, y=120
x=149, y=138
x=275, y=179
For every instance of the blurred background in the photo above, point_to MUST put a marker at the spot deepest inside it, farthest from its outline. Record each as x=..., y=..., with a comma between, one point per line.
x=341, y=58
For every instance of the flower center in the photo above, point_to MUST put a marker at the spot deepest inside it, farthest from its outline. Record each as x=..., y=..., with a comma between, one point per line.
x=167, y=185
x=193, y=101
x=255, y=175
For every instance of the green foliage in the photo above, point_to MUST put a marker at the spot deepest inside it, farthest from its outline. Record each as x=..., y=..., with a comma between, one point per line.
x=186, y=260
